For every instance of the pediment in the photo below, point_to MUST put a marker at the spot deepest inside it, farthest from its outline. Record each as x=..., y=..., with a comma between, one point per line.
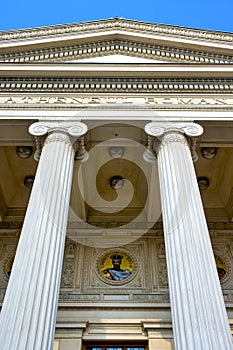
x=112, y=39
x=116, y=58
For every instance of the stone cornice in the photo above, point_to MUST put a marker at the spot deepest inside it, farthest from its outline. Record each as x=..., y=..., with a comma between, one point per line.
x=124, y=70
x=114, y=85
x=123, y=47
x=116, y=23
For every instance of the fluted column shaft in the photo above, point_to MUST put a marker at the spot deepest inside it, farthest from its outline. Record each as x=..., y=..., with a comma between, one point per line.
x=28, y=316
x=198, y=312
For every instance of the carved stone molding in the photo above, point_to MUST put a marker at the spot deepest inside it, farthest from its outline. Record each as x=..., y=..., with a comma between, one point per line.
x=216, y=228
x=66, y=132
x=81, y=152
x=158, y=129
x=69, y=265
x=166, y=132
x=117, y=24
x=162, y=266
x=122, y=47
x=3, y=205
x=68, y=273
x=228, y=226
x=71, y=128
x=115, y=85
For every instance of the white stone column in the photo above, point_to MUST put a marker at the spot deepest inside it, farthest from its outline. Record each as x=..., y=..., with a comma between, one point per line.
x=198, y=312
x=28, y=315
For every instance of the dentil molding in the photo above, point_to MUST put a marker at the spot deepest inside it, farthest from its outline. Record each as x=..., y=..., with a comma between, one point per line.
x=115, y=85
x=116, y=47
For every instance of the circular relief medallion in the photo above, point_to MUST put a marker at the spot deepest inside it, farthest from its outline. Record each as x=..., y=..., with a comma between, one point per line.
x=116, y=267
x=221, y=267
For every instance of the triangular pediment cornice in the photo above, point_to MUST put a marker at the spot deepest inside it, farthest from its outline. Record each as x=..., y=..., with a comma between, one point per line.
x=116, y=24
x=116, y=36
x=102, y=48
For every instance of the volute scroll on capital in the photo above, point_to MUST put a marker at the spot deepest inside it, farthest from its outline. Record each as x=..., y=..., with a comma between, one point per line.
x=74, y=129
x=158, y=129
x=166, y=132
x=67, y=132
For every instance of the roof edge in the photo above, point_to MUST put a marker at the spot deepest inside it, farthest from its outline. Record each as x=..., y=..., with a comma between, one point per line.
x=114, y=23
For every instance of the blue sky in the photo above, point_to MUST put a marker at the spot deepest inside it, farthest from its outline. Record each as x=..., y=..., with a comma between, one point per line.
x=203, y=14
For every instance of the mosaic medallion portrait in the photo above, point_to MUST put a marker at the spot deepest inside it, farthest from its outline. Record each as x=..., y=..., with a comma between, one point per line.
x=116, y=266
x=221, y=267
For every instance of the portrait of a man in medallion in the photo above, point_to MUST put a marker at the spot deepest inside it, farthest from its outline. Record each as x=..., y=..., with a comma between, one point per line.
x=8, y=266
x=116, y=266
x=221, y=267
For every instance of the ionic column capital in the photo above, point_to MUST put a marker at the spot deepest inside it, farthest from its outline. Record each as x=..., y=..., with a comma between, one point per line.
x=67, y=132
x=74, y=129
x=167, y=132
x=158, y=129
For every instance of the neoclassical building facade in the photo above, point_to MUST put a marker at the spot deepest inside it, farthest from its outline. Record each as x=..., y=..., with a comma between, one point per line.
x=116, y=187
